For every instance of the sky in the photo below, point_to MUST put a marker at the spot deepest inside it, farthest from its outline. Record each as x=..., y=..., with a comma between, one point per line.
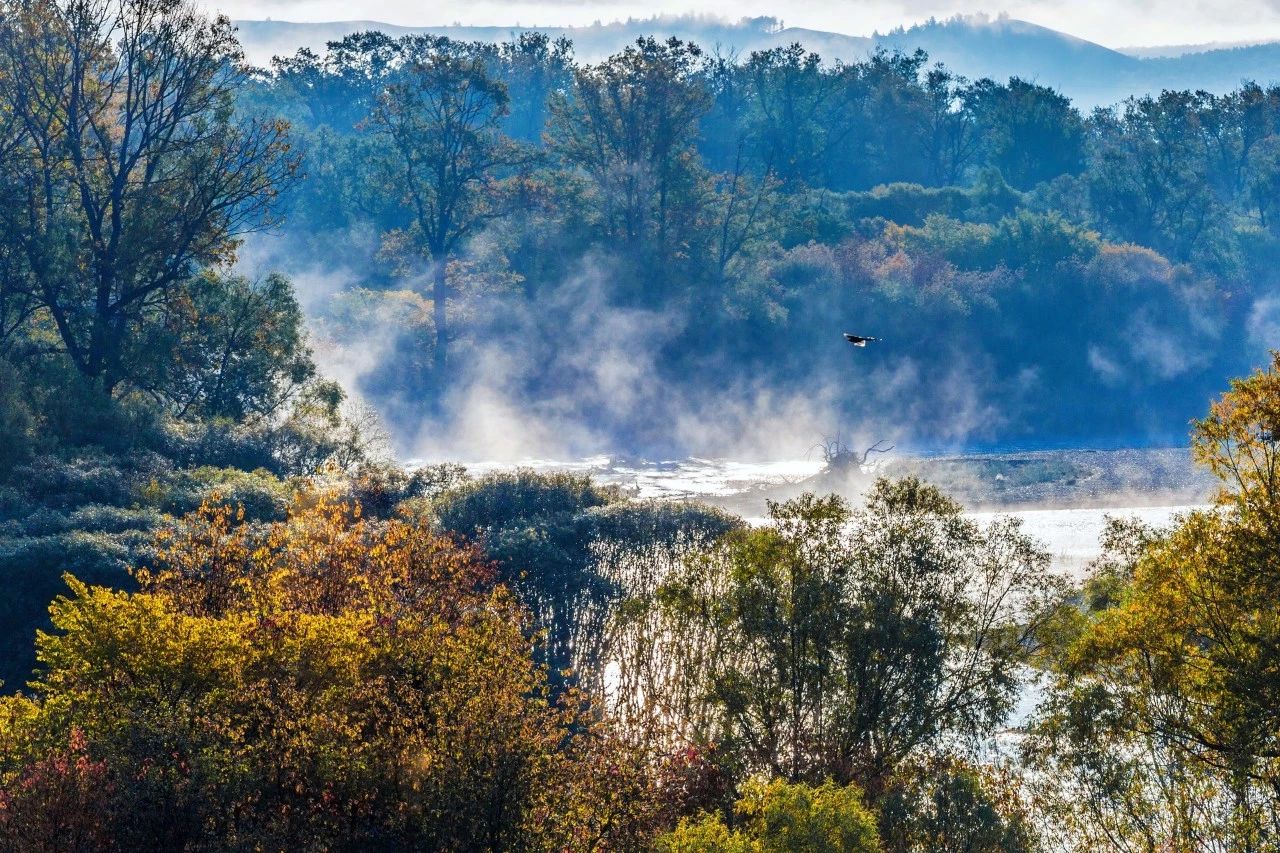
x=1114, y=23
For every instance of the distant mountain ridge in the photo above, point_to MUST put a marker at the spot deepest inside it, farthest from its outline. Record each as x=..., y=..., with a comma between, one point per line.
x=975, y=46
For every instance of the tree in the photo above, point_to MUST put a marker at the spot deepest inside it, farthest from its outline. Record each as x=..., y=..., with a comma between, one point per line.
x=135, y=169
x=1030, y=133
x=443, y=112
x=1149, y=177
x=778, y=817
x=236, y=349
x=839, y=644
x=322, y=683
x=794, y=103
x=946, y=805
x=572, y=551
x=536, y=67
x=1162, y=724
x=630, y=123
x=1262, y=179
x=341, y=89
x=952, y=139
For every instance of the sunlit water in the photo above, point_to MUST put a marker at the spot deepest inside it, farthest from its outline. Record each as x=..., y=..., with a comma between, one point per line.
x=682, y=478
x=1071, y=536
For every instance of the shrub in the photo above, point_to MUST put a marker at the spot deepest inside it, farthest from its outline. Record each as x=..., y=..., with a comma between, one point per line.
x=322, y=683
x=778, y=817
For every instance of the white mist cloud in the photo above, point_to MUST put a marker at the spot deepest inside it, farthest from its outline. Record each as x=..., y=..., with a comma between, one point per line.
x=575, y=375
x=1263, y=325
x=1115, y=24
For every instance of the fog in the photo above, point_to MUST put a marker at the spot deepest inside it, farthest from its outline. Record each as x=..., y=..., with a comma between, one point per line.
x=1114, y=24
x=574, y=376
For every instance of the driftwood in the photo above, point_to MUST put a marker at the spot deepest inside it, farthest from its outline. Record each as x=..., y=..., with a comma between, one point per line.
x=838, y=456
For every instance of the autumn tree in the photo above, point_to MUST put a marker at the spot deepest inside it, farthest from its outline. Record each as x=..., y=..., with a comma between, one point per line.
x=134, y=170
x=1162, y=726
x=323, y=683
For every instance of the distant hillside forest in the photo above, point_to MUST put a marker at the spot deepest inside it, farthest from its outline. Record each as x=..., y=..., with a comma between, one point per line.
x=662, y=244
x=1037, y=275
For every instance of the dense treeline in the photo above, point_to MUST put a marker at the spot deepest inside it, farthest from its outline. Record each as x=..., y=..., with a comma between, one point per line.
x=738, y=212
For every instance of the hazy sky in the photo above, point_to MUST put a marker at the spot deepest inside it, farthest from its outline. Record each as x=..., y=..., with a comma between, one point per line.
x=1115, y=23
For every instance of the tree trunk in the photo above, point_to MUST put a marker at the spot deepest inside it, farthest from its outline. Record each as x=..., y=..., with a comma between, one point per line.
x=439, y=300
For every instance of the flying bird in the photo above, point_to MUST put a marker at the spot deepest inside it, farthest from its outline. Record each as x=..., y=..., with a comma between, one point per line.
x=858, y=340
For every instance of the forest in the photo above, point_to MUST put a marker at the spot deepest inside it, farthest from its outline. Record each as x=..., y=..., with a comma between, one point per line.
x=233, y=620
x=736, y=214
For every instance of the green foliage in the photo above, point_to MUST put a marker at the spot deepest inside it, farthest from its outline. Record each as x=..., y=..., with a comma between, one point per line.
x=239, y=352
x=836, y=643
x=259, y=494
x=137, y=193
x=908, y=204
x=948, y=806
x=572, y=550
x=1160, y=728
x=537, y=528
x=777, y=817
x=1030, y=133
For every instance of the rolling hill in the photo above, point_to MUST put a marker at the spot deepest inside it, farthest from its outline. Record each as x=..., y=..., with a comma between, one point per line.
x=975, y=46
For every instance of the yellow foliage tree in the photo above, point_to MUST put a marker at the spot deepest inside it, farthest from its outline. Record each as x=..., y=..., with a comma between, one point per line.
x=1166, y=715
x=322, y=683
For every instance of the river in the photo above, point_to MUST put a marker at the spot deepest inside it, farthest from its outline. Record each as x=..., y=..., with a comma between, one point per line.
x=1071, y=535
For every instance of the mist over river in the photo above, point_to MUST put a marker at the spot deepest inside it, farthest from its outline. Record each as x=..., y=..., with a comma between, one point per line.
x=1063, y=498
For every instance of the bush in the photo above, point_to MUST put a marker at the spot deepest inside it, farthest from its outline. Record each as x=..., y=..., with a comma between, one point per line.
x=31, y=572
x=325, y=683
x=88, y=476
x=262, y=495
x=778, y=817
x=908, y=204
x=381, y=488
x=538, y=529
x=950, y=806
